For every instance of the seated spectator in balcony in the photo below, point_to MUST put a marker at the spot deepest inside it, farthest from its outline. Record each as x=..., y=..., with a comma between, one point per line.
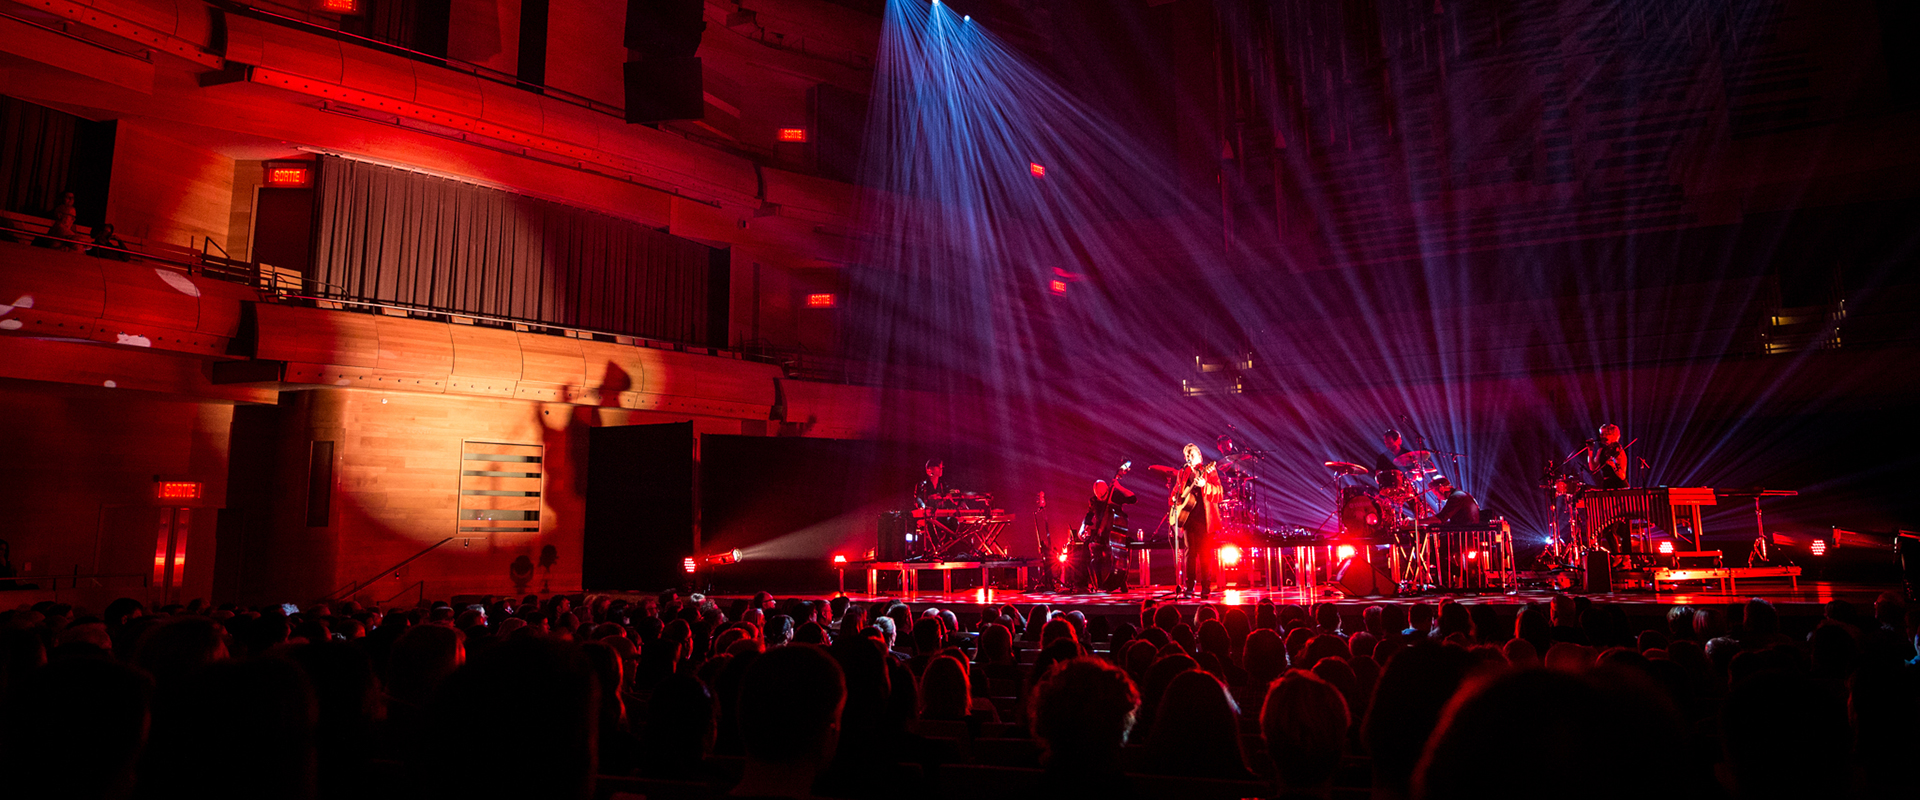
x=1196, y=731
x=1304, y=721
x=790, y=710
x=1081, y=714
x=63, y=231
x=103, y=239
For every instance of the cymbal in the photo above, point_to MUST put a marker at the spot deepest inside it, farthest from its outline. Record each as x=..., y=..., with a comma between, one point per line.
x=1163, y=470
x=1412, y=457
x=1346, y=468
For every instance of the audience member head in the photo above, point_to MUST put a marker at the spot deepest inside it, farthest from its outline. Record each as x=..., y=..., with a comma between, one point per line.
x=790, y=709
x=257, y=714
x=74, y=729
x=524, y=684
x=1304, y=722
x=1196, y=730
x=679, y=726
x=1322, y=646
x=1081, y=712
x=945, y=692
x=1597, y=711
x=1414, y=687
x=996, y=644
x=1266, y=657
x=421, y=658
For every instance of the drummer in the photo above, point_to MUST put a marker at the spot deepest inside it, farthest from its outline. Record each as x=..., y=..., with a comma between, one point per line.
x=1384, y=461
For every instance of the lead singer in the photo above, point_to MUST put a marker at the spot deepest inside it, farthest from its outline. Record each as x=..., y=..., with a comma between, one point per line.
x=1194, y=510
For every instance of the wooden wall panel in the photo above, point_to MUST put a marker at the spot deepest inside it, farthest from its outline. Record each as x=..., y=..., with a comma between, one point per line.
x=316, y=336
x=166, y=189
x=414, y=348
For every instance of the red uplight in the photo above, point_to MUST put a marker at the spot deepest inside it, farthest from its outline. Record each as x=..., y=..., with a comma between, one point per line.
x=793, y=134
x=289, y=175
x=1229, y=555
x=1343, y=552
x=1058, y=286
x=1666, y=547
x=1036, y=170
x=839, y=559
x=177, y=490
x=1819, y=547
x=822, y=300
x=689, y=565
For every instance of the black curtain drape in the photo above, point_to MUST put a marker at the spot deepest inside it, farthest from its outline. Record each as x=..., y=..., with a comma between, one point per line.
x=36, y=155
x=389, y=235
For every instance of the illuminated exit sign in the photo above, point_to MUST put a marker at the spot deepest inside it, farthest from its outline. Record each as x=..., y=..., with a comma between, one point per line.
x=177, y=490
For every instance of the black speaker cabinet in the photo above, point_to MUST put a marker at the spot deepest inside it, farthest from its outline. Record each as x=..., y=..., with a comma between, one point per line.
x=894, y=527
x=1360, y=577
x=1599, y=571
x=662, y=89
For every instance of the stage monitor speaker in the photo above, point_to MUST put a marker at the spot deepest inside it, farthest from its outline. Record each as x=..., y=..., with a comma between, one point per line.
x=894, y=526
x=1599, y=571
x=638, y=522
x=1362, y=578
x=662, y=89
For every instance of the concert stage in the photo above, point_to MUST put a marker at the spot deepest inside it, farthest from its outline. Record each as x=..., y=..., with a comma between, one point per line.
x=1800, y=607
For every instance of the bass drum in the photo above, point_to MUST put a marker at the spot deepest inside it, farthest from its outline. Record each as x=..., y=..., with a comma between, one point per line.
x=1363, y=514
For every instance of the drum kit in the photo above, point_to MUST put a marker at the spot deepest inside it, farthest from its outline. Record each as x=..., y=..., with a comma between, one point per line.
x=1390, y=510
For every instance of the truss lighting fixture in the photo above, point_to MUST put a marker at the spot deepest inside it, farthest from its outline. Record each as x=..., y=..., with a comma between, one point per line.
x=1058, y=286
x=1666, y=547
x=1344, y=552
x=689, y=565
x=728, y=557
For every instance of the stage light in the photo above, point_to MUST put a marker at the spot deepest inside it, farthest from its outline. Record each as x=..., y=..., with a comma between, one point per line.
x=177, y=490
x=1229, y=555
x=1036, y=170
x=1058, y=286
x=688, y=565
x=1818, y=546
x=793, y=134
x=1665, y=547
x=1063, y=555
x=1473, y=555
x=1344, y=552
x=823, y=300
x=966, y=18
x=1230, y=597
x=839, y=559
x=724, y=558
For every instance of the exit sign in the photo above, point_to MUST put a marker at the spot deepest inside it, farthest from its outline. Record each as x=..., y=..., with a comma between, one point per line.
x=177, y=490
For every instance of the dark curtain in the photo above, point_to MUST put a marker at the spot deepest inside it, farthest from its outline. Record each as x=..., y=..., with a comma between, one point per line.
x=388, y=235
x=36, y=155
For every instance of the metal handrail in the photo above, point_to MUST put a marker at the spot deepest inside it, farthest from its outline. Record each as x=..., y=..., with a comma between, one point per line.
x=358, y=585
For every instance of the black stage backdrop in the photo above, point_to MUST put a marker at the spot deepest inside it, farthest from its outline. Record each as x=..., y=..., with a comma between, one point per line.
x=639, y=513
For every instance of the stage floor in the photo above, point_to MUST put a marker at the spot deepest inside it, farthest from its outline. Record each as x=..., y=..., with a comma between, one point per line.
x=1804, y=600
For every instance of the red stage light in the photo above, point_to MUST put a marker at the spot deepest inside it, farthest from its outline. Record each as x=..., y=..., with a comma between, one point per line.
x=688, y=565
x=1063, y=555
x=1666, y=547
x=1036, y=170
x=1229, y=555
x=289, y=175
x=824, y=300
x=839, y=559
x=1819, y=547
x=1058, y=286
x=1344, y=552
x=177, y=490
x=793, y=134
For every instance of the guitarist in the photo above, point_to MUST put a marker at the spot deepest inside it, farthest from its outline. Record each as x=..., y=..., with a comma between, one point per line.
x=1194, y=510
x=1103, y=512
